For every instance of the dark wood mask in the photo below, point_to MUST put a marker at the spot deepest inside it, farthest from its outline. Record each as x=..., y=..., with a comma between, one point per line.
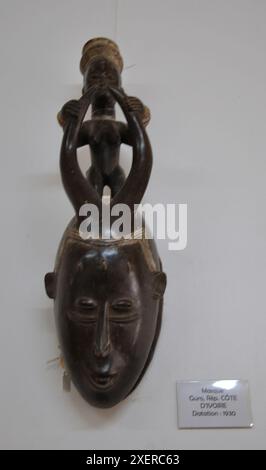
x=107, y=292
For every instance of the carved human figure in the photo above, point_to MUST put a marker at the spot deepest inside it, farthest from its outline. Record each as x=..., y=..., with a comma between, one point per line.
x=103, y=133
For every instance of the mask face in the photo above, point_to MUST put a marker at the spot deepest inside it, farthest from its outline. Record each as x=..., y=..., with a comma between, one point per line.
x=107, y=305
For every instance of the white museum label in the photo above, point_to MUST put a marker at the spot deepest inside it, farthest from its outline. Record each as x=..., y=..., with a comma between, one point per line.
x=214, y=404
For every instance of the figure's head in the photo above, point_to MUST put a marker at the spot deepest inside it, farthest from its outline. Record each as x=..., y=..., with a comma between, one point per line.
x=101, y=70
x=101, y=62
x=101, y=48
x=107, y=302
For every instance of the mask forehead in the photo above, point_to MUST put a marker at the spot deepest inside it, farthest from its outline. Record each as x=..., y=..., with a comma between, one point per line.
x=104, y=273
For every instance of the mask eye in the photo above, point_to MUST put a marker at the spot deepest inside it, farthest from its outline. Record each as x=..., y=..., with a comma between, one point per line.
x=86, y=303
x=122, y=311
x=122, y=305
x=84, y=311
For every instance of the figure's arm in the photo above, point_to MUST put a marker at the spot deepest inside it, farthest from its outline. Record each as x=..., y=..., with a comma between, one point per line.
x=77, y=187
x=135, y=185
x=71, y=110
x=143, y=113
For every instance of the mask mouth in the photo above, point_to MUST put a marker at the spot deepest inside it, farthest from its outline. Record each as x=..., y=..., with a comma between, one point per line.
x=102, y=381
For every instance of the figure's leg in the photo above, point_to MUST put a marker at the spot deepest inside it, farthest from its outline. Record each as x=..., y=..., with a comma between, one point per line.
x=95, y=179
x=116, y=180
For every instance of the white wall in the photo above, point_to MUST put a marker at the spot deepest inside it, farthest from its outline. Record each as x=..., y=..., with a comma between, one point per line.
x=200, y=66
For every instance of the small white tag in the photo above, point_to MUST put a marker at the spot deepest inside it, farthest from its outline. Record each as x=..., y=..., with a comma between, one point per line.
x=214, y=404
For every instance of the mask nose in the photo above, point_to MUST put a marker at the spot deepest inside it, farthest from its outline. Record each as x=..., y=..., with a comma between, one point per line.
x=102, y=334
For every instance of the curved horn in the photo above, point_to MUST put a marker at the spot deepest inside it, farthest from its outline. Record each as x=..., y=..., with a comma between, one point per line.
x=136, y=183
x=76, y=185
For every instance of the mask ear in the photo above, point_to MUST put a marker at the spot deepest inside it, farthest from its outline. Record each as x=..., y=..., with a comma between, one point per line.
x=50, y=283
x=159, y=284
